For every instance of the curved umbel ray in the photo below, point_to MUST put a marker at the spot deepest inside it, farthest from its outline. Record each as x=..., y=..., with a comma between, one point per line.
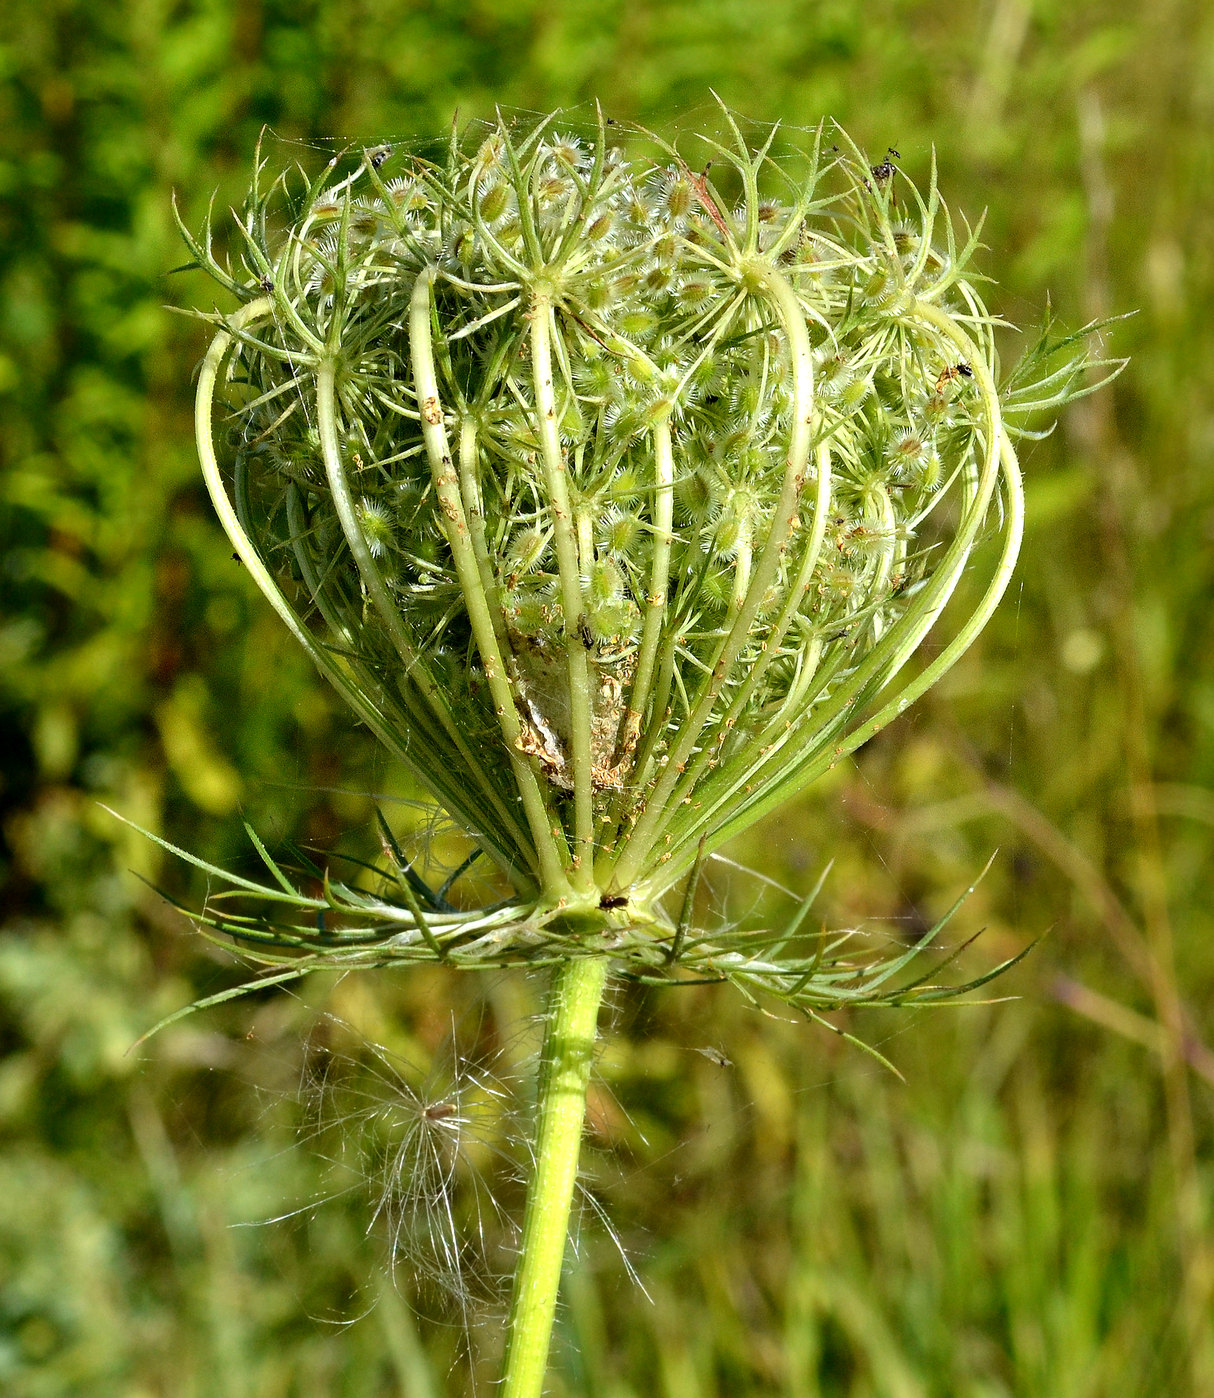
x=500, y=842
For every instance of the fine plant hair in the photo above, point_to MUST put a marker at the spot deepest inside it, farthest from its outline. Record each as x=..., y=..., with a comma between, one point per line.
x=621, y=493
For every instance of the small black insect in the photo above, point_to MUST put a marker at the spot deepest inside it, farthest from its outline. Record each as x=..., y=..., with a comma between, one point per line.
x=584, y=631
x=954, y=372
x=378, y=156
x=887, y=169
x=267, y=284
x=613, y=900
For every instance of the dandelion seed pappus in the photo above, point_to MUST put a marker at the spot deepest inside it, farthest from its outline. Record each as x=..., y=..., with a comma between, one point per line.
x=428, y=1150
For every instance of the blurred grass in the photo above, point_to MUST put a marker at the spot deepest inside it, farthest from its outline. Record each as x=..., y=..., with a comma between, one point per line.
x=1029, y=1213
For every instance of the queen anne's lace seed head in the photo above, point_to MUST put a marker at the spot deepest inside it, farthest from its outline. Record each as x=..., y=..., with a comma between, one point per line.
x=616, y=507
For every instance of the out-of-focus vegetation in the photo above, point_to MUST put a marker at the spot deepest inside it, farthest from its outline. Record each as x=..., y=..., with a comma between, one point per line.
x=1029, y=1213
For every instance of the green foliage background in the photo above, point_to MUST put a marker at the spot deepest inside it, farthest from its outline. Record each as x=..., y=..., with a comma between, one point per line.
x=1029, y=1214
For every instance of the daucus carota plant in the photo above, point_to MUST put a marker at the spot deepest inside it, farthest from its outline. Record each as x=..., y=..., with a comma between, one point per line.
x=616, y=496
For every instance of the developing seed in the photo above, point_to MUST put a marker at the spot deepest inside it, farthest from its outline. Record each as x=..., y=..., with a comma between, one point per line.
x=494, y=199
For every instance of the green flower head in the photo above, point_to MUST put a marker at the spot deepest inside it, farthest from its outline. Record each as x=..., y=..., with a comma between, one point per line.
x=615, y=493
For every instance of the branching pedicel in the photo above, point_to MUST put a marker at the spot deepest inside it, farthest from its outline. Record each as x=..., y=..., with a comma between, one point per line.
x=616, y=497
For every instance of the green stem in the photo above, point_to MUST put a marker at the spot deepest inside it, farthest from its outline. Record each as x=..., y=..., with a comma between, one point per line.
x=475, y=577
x=573, y=1010
x=649, y=827
x=552, y=460
x=416, y=671
x=792, y=755
x=783, y=771
x=632, y=735
x=502, y=839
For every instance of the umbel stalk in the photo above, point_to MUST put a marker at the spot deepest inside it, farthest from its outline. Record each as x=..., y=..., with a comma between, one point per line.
x=618, y=502
x=567, y=1056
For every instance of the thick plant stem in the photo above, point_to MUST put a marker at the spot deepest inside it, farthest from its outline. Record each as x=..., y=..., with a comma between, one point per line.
x=573, y=1011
